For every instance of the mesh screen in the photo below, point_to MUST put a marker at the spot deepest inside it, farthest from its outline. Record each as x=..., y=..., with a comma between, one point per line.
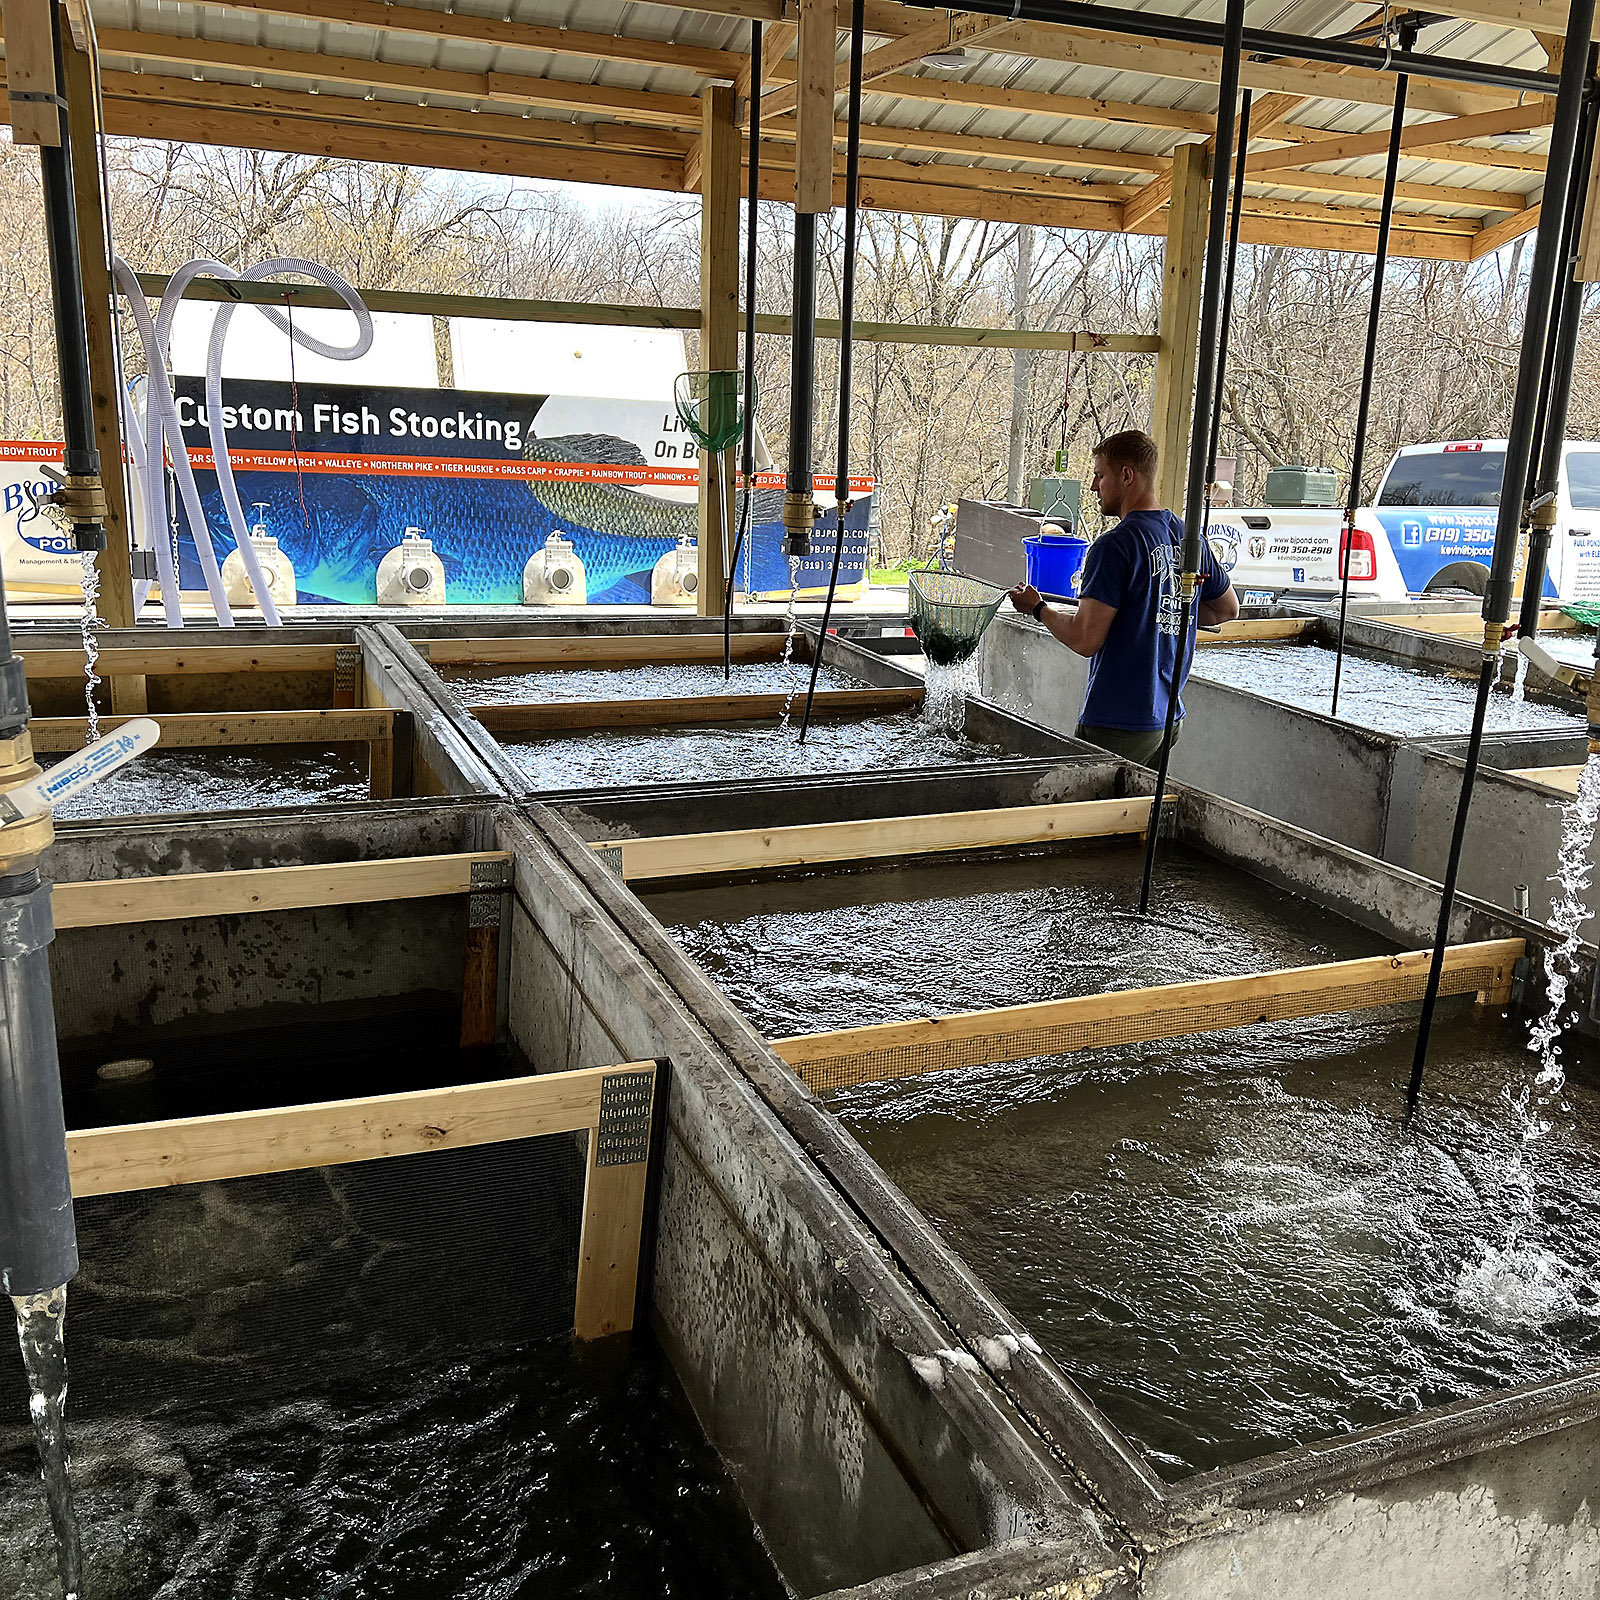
x=969, y=1044
x=949, y=612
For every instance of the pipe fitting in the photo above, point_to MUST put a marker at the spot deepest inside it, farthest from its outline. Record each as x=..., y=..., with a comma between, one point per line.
x=1189, y=587
x=799, y=517
x=1494, y=635
x=22, y=838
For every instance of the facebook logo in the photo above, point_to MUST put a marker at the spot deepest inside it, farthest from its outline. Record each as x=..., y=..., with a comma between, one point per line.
x=1411, y=535
x=1299, y=575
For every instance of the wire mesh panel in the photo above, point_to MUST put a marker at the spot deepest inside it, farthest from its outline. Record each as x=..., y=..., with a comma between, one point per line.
x=949, y=613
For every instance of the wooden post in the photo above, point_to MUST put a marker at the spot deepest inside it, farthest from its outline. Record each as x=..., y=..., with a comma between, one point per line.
x=128, y=694
x=380, y=767
x=613, y=1204
x=815, y=61
x=1173, y=404
x=719, y=319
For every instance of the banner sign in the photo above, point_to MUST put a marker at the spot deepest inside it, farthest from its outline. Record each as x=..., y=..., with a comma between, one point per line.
x=337, y=473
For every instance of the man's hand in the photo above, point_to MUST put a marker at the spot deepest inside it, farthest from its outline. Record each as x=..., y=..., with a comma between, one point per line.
x=1025, y=597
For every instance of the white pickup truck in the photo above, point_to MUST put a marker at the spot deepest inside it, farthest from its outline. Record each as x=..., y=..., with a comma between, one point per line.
x=1431, y=531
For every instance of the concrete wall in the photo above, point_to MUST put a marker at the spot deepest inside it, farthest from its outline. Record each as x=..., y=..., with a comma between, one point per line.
x=791, y=1329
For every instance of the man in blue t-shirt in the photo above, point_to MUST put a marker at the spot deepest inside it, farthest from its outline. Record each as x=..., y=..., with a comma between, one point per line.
x=1126, y=620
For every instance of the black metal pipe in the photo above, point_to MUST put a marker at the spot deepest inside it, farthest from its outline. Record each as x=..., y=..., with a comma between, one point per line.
x=38, y=1242
x=1542, y=291
x=1207, y=376
x=1555, y=386
x=847, y=313
x=1225, y=323
x=802, y=386
x=1369, y=359
x=748, y=455
x=82, y=458
x=1258, y=42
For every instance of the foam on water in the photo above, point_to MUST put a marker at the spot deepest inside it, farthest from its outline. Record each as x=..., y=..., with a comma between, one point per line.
x=1386, y=696
x=1228, y=1239
x=944, y=700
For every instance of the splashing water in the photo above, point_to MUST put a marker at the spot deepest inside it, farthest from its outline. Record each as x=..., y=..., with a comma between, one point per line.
x=944, y=700
x=786, y=660
x=1519, y=689
x=42, y=1333
x=1522, y=1285
x=87, y=623
x=1567, y=916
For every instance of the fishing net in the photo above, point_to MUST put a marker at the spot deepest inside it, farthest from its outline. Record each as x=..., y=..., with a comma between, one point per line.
x=949, y=613
x=1586, y=612
x=710, y=405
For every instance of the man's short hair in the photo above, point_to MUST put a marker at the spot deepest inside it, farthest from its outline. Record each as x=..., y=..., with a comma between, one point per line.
x=1131, y=448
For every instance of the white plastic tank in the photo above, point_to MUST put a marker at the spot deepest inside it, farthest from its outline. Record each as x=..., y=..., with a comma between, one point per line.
x=675, y=579
x=275, y=566
x=554, y=576
x=411, y=574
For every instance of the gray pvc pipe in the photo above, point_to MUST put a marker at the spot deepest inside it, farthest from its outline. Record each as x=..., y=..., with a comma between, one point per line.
x=38, y=1241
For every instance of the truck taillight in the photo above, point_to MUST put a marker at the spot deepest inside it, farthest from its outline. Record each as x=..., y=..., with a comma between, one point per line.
x=1359, y=554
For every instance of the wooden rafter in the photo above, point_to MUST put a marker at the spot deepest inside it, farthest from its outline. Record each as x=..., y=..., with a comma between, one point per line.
x=1348, y=146
x=1491, y=238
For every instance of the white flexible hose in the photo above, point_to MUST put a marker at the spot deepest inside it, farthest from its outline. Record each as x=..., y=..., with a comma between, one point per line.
x=219, y=443
x=162, y=435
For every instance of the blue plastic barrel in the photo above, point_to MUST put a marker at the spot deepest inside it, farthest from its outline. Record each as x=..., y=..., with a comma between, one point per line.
x=1055, y=562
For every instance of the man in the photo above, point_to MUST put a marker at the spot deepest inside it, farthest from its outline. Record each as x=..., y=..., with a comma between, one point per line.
x=1126, y=619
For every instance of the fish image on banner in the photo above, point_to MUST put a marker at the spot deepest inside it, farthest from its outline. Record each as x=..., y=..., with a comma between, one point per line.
x=344, y=470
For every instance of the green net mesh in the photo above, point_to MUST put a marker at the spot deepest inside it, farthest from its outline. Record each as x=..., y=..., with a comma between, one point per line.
x=711, y=406
x=949, y=613
x=1585, y=611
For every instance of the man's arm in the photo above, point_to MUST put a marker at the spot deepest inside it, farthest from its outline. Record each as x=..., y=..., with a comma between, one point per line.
x=1082, y=629
x=1223, y=609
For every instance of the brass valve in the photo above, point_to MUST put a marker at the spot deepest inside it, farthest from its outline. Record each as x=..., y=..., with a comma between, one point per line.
x=24, y=838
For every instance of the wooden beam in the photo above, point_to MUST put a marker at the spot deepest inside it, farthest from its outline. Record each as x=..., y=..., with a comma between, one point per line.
x=31, y=73
x=494, y=119
x=114, y=901
x=1491, y=238
x=94, y=262
x=721, y=150
x=1587, y=269
x=829, y=1061
x=312, y=66
x=613, y=1226
x=1252, y=630
x=777, y=40
x=1342, y=216
x=211, y=730
x=1346, y=147
x=592, y=650
x=818, y=45
x=1179, y=330
x=164, y=661
x=1562, y=779
x=685, y=710
x=878, y=838
x=503, y=33
x=1203, y=64
x=462, y=305
x=153, y=1155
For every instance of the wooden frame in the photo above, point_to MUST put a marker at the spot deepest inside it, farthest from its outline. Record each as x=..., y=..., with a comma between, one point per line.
x=812, y=844
x=214, y=730
x=688, y=709
x=1256, y=630
x=166, y=661
x=1564, y=780
x=152, y=1155
x=601, y=650
x=106, y=902
x=836, y=1060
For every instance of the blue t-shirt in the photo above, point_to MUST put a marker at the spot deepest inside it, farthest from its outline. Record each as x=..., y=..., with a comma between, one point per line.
x=1135, y=567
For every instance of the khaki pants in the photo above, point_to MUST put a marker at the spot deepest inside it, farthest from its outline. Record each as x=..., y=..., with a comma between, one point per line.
x=1143, y=747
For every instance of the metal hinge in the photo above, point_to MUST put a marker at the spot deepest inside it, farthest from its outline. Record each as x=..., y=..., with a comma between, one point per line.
x=624, y=1130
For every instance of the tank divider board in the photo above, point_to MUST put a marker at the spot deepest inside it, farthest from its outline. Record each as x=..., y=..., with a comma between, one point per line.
x=1563, y=778
x=686, y=709
x=162, y=661
x=808, y=844
x=1017, y=1033
x=1255, y=630
x=599, y=649
x=1464, y=624
x=209, y=729
x=109, y=901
